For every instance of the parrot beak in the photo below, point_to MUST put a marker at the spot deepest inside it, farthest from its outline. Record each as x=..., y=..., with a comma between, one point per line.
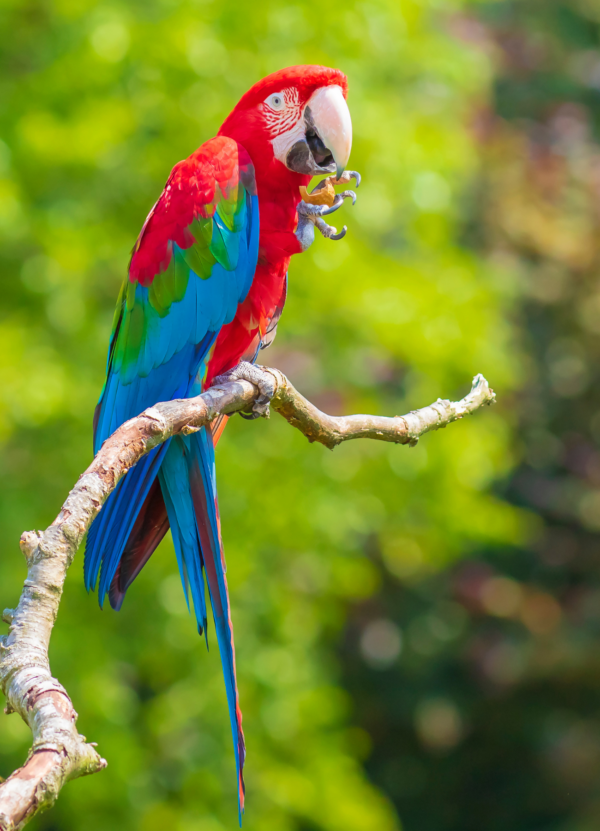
x=329, y=116
x=327, y=140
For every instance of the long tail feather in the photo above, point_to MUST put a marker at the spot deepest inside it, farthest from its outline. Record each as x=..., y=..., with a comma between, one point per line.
x=174, y=482
x=150, y=527
x=110, y=531
x=201, y=465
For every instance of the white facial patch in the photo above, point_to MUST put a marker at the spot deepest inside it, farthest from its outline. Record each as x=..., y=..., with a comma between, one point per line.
x=285, y=141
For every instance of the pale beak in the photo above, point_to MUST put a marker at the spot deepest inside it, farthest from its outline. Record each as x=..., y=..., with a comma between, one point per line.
x=322, y=140
x=327, y=112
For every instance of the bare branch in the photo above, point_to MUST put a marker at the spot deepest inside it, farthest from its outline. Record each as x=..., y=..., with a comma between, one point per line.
x=407, y=429
x=58, y=752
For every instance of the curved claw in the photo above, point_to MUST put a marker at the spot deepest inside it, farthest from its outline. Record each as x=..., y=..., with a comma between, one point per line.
x=341, y=234
x=354, y=174
x=320, y=185
x=344, y=179
x=339, y=201
x=328, y=231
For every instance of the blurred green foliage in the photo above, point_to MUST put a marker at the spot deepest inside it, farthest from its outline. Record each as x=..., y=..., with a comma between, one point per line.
x=490, y=719
x=97, y=102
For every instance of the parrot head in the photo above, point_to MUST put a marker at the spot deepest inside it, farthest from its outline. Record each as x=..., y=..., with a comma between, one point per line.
x=297, y=116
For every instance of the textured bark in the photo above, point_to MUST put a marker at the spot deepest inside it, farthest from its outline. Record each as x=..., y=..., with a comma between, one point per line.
x=58, y=752
x=406, y=429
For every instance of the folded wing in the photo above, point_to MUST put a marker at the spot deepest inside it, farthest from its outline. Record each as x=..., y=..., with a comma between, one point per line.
x=192, y=265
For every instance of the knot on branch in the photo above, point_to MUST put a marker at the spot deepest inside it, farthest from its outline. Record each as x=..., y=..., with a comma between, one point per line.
x=154, y=414
x=29, y=542
x=6, y=823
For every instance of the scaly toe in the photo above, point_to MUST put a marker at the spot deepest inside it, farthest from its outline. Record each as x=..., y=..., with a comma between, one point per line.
x=328, y=231
x=265, y=382
x=261, y=408
x=339, y=201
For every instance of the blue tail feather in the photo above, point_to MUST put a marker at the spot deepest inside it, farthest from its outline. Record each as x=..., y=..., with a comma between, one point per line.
x=187, y=479
x=124, y=514
x=201, y=465
x=111, y=529
x=174, y=484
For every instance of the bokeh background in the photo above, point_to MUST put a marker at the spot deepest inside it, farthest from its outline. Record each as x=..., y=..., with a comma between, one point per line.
x=417, y=630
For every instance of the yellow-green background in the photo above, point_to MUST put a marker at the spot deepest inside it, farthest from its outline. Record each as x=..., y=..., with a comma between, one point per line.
x=417, y=629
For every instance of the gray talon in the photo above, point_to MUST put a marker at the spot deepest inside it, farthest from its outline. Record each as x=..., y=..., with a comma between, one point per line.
x=339, y=201
x=328, y=231
x=341, y=234
x=344, y=179
x=265, y=382
x=319, y=186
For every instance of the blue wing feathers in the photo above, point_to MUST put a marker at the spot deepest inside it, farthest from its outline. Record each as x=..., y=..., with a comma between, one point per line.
x=169, y=381
x=124, y=514
x=174, y=346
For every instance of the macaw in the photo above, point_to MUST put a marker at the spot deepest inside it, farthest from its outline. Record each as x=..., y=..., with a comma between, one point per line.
x=205, y=290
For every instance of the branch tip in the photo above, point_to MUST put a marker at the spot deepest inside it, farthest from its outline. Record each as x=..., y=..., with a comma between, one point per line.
x=482, y=387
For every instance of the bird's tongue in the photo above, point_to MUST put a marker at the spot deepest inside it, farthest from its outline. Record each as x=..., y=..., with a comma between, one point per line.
x=321, y=154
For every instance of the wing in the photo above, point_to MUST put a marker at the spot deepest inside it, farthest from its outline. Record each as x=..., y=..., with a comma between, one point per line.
x=192, y=265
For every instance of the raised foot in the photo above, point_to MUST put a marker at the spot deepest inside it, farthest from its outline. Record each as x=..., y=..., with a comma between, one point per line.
x=261, y=378
x=322, y=201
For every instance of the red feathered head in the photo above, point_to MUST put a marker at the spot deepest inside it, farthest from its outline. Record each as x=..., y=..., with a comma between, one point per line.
x=297, y=115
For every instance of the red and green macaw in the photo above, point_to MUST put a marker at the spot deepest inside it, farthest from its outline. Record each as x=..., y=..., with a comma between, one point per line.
x=205, y=290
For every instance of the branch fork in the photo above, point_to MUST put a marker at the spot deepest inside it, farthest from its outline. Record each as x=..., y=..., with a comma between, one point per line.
x=58, y=752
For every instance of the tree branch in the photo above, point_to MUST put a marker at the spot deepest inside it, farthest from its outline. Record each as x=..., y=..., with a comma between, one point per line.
x=58, y=752
x=407, y=429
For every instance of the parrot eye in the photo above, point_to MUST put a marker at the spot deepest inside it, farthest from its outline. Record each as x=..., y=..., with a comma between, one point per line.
x=275, y=101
